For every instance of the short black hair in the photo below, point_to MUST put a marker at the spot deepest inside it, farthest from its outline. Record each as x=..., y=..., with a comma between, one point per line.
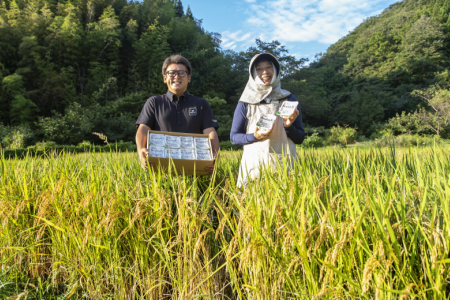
x=176, y=59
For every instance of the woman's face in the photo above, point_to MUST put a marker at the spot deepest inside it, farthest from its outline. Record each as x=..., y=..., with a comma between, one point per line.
x=265, y=71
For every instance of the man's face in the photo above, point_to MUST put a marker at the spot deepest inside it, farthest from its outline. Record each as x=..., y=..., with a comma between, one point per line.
x=177, y=85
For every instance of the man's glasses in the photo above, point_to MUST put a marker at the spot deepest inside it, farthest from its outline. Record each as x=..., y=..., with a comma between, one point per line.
x=173, y=73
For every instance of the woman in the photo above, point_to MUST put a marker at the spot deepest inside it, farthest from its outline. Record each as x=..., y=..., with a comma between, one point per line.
x=263, y=95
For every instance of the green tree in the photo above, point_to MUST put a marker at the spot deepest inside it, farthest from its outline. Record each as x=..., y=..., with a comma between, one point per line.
x=189, y=14
x=438, y=116
x=104, y=42
x=162, y=11
x=423, y=48
x=222, y=112
x=23, y=110
x=179, y=12
x=361, y=110
x=151, y=50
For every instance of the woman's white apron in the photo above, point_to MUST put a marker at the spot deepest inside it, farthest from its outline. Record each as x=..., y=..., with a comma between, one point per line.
x=266, y=153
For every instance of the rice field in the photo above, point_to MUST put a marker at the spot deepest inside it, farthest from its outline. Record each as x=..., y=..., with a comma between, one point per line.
x=344, y=224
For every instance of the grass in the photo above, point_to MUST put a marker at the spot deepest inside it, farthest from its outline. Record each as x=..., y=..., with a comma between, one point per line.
x=345, y=224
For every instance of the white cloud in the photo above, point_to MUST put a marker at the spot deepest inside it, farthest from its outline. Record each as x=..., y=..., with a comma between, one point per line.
x=231, y=39
x=323, y=21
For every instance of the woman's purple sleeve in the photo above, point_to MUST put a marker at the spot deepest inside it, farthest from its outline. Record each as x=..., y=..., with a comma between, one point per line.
x=238, y=135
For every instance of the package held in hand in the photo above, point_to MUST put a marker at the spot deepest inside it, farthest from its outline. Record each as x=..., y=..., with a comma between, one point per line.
x=157, y=151
x=201, y=143
x=287, y=109
x=173, y=141
x=187, y=142
x=157, y=139
x=173, y=153
x=266, y=121
x=203, y=154
x=187, y=154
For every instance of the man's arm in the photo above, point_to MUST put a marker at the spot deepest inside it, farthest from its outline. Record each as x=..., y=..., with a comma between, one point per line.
x=211, y=131
x=141, y=143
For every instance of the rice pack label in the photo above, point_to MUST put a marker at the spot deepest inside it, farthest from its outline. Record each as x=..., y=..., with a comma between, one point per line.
x=187, y=153
x=157, y=151
x=203, y=154
x=173, y=141
x=157, y=139
x=266, y=121
x=201, y=143
x=173, y=153
x=187, y=142
x=287, y=108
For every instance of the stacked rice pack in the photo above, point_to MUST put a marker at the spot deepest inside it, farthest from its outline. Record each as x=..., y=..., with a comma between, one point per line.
x=179, y=147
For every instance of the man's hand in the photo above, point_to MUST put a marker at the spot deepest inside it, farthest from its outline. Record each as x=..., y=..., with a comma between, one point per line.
x=210, y=168
x=262, y=133
x=214, y=145
x=143, y=159
x=287, y=122
x=141, y=143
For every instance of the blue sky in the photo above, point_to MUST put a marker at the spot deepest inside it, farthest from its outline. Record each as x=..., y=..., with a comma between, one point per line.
x=304, y=27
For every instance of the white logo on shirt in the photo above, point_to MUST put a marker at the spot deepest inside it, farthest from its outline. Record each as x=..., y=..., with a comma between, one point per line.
x=193, y=111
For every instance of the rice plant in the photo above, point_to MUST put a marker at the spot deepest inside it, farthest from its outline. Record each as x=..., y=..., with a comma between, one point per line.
x=343, y=224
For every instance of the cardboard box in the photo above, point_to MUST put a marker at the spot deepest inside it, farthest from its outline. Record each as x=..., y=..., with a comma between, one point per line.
x=186, y=165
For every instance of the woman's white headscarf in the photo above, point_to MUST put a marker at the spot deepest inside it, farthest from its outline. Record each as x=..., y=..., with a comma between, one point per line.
x=255, y=91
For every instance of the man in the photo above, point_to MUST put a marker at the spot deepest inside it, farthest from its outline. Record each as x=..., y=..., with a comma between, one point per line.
x=176, y=111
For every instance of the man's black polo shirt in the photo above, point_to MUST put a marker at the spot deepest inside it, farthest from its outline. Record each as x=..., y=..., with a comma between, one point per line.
x=186, y=114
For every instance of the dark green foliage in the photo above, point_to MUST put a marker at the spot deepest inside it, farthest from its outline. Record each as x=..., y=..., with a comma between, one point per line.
x=432, y=121
x=51, y=149
x=179, y=12
x=313, y=141
x=15, y=137
x=22, y=109
x=404, y=123
x=338, y=135
x=151, y=50
x=222, y=112
x=70, y=68
x=368, y=76
x=227, y=145
x=189, y=14
x=406, y=140
x=78, y=123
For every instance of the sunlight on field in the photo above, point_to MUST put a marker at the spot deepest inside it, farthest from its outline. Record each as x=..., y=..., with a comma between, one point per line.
x=346, y=223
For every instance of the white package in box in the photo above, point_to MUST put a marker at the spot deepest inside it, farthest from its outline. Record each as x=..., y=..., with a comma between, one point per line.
x=173, y=153
x=266, y=121
x=203, y=154
x=188, y=154
x=201, y=143
x=173, y=142
x=187, y=142
x=157, y=151
x=156, y=139
x=187, y=163
x=287, y=109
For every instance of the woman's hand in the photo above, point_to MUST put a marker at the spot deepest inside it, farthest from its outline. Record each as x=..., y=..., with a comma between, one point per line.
x=262, y=133
x=287, y=122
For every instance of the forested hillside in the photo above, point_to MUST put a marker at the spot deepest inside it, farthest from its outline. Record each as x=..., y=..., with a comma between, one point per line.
x=69, y=68
x=368, y=75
